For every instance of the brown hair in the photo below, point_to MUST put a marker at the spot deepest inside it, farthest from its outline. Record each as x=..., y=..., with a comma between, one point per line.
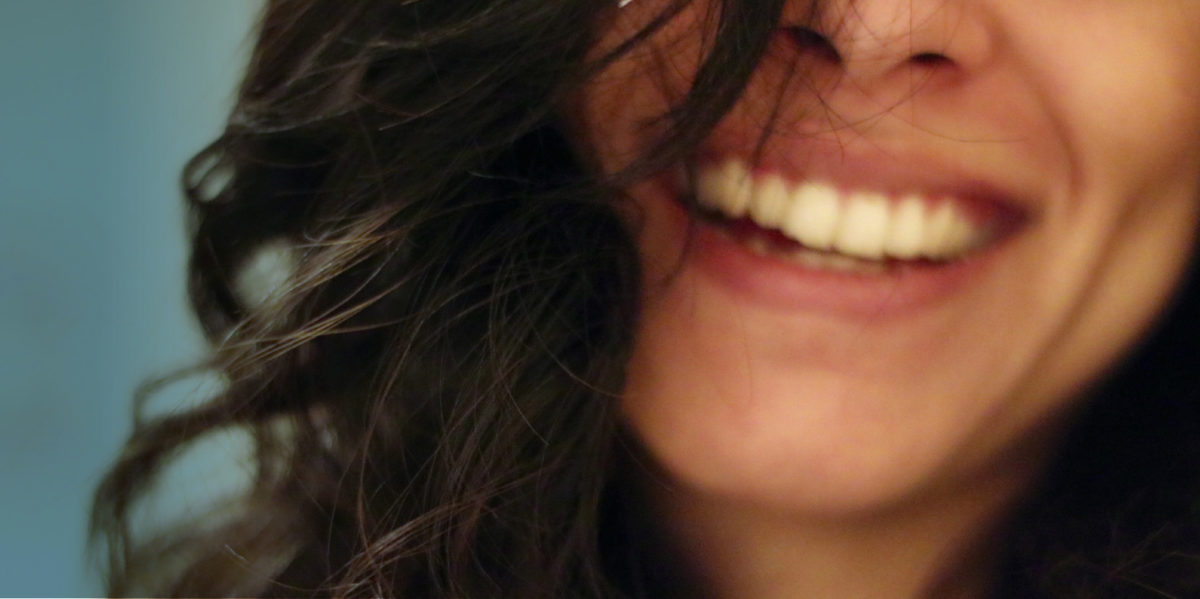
x=430, y=389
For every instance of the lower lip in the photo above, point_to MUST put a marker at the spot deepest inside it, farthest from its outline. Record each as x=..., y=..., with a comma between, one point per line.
x=775, y=282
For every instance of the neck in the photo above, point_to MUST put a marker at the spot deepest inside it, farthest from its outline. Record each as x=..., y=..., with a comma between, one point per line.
x=940, y=545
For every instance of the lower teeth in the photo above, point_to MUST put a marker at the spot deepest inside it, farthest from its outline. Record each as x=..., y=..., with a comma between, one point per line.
x=815, y=259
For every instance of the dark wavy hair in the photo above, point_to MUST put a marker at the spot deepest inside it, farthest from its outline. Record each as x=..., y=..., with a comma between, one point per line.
x=430, y=390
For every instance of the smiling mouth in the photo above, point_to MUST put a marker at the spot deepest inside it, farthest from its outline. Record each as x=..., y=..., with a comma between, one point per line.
x=822, y=226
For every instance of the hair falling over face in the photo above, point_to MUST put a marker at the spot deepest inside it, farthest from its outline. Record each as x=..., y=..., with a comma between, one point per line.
x=432, y=377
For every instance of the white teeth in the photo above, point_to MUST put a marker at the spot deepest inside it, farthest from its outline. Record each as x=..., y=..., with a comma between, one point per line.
x=939, y=232
x=726, y=189
x=962, y=234
x=907, y=230
x=862, y=225
x=769, y=201
x=832, y=261
x=813, y=217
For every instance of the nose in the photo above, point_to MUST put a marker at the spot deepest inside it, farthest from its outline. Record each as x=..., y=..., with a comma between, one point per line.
x=878, y=44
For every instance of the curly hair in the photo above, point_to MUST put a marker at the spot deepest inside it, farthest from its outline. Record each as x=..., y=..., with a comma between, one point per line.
x=431, y=386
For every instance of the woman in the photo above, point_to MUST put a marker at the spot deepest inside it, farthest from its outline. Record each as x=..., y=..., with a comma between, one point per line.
x=715, y=298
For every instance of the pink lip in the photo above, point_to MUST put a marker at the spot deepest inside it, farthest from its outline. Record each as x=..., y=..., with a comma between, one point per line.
x=780, y=284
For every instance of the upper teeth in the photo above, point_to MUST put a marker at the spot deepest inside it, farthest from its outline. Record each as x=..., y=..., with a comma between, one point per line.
x=862, y=224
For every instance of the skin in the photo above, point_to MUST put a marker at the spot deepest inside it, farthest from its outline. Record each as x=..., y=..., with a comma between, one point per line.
x=795, y=448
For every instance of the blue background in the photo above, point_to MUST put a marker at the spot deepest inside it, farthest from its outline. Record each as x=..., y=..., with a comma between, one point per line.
x=101, y=103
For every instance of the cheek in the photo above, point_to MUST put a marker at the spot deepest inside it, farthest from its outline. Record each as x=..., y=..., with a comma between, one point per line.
x=1126, y=102
x=619, y=114
x=1147, y=129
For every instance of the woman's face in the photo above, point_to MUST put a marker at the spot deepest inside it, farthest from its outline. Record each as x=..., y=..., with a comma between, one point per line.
x=1004, y=195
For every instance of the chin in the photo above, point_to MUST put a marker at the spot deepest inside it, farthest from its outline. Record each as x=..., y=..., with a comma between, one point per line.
x=806, y=440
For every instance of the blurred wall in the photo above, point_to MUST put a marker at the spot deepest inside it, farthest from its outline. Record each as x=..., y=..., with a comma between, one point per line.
x=102, y=101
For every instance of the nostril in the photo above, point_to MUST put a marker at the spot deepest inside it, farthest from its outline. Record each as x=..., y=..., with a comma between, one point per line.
x=809, y=41
x=929, y=59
